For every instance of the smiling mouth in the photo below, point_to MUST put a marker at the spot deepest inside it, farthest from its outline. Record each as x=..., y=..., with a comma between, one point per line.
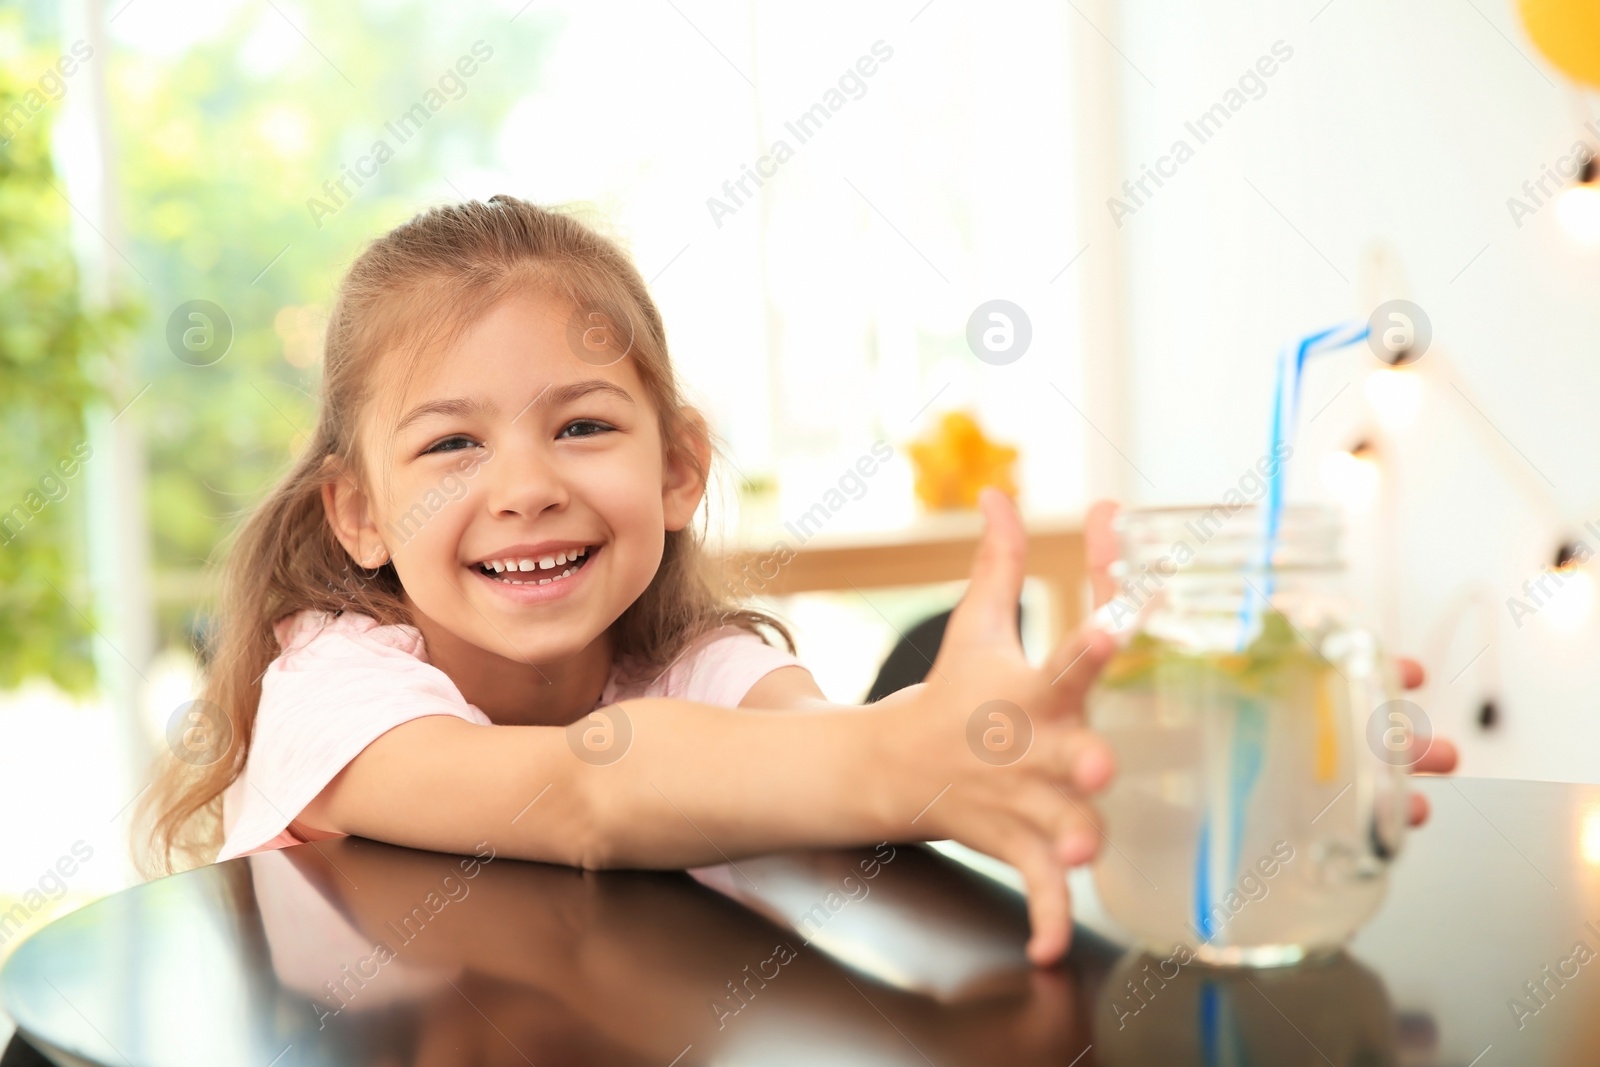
x=530, y=571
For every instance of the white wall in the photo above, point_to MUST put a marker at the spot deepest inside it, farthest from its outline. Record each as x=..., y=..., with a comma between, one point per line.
x=1404, y=126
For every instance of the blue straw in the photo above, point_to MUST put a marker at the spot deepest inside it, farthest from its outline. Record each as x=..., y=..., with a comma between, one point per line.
x=1285, y=419
x=1220, y=838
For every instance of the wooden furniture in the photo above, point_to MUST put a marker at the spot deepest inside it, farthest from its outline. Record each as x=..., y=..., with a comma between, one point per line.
x=936, y=548
x=353, y=952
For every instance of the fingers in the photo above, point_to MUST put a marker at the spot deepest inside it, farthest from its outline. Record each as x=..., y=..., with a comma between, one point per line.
x=988, y=610
x=1094, y=765
x=1411, y=673
x=1100, y=549
x=1071, y=756
x=1049, y=905
x=1440, y=758
x=1074, y=665
x=1078, y=832
x=1061, y=815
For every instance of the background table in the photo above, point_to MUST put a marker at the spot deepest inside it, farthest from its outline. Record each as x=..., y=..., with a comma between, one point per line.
x=777, y=561
x=897, y=957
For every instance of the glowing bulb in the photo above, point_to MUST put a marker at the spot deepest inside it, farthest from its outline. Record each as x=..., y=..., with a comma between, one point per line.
x=1589, y=840
x=1353, y=479
x=1395, y=394
x=1573, y=599
x=1578, y=208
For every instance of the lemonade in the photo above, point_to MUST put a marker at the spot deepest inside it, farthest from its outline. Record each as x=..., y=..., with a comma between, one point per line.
x=1247, y=818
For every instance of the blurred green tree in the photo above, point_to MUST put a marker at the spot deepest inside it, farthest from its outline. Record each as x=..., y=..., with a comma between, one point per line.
x=224, y=155
x=223, y=151
x=50, y=347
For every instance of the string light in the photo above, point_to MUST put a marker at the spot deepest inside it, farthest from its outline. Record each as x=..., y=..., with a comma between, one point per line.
x=1578, y=207
x=1590, y=837
x=1352, y=474
x=1571, y=600
x=1395, y=394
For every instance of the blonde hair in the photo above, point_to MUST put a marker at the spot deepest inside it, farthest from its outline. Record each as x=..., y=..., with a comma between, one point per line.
x=412, y=290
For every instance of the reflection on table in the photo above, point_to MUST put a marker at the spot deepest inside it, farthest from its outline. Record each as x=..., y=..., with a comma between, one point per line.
x=352, y=952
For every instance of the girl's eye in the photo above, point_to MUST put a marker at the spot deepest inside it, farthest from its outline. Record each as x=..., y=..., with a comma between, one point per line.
x=583, y=428
x=450, y=444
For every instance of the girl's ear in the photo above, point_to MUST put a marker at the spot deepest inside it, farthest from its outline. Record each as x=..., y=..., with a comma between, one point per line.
x=684, y=473
x=349, y=513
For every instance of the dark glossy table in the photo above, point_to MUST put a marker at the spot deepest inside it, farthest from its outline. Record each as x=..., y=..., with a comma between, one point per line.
x=354, y=952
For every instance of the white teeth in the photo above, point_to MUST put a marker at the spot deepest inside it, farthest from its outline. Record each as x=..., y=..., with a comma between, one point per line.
x=545, y=563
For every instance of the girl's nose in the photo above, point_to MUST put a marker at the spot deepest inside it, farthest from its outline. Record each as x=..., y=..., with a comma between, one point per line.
x=522, y=480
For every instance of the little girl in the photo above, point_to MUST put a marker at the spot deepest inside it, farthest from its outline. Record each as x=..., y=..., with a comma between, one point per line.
x=477, y=610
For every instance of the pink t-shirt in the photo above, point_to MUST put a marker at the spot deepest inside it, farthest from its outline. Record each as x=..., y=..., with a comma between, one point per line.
x=342, y=681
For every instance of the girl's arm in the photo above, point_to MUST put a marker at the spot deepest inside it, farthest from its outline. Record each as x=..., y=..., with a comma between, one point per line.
x=700, y=784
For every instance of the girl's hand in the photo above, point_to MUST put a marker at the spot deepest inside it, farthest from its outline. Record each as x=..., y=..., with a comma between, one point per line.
x=994, y=751
x=1100, y=546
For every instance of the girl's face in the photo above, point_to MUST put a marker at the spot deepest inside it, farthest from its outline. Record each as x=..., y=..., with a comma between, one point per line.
x=519, y=485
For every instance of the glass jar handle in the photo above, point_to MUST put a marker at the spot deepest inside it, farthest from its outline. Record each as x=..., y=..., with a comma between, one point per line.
x=1382, y=731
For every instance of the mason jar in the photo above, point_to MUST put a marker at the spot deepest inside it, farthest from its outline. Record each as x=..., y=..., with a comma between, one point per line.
x=1261, y=750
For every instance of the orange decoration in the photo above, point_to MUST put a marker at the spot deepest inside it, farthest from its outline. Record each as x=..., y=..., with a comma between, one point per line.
x=1568, y=33
x=956, y=460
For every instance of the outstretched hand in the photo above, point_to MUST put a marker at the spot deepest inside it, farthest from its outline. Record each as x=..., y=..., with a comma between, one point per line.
x=1018, y=788
x=1439, y=755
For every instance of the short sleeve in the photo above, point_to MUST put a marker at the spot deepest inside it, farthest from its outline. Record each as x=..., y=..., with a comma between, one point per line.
x=718, y=670
x=339, y=684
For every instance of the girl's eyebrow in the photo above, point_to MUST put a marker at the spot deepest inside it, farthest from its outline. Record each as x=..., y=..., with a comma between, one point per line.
x=456, y=407
x=557, y=395
x=551, y=396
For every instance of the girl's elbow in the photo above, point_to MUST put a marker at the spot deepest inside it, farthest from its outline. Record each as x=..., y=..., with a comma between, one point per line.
x=594, y=841
x=595, y=856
